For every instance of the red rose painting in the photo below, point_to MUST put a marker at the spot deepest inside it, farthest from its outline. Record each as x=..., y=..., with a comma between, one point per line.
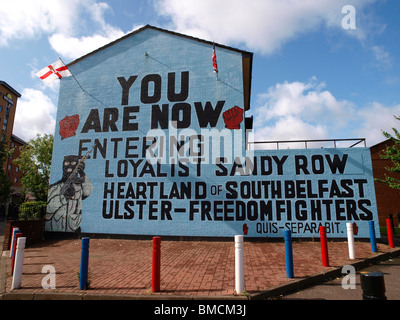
x=68, y=126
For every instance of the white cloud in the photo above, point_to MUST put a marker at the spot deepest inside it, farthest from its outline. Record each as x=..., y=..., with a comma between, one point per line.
x=376, y=118
x=290, y=128
x=64, y=22
x=24, y=19
x=382, y=57
x=74, y=47
x=263, y=26
x=300, y=110
x=35, y=114
x=71, y=46
x=305, y=99
x=304, y=110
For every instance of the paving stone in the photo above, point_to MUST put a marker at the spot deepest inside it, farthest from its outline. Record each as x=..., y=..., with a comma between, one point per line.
x=188, y=268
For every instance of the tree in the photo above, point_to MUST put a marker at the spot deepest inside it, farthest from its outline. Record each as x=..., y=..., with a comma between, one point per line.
x=35, y=161
x=5, y=184
x=392, y=153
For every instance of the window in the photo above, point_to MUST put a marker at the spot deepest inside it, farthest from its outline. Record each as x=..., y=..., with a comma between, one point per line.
x=6, y=116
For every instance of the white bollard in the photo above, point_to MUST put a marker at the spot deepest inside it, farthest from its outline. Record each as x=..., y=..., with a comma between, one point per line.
x=350, y=240
x=19, y=261
x=239, y=265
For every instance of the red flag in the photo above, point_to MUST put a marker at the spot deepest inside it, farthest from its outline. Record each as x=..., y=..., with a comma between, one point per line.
x=214, y=60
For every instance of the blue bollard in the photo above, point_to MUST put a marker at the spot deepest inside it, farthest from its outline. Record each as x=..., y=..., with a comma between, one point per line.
x=372, y=236
x=83, y=275
x=289, y=254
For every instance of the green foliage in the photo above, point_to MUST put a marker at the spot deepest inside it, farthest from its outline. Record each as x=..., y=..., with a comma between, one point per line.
x=392, y=153
x=5, y=184
x=32, y=210
x=35, y=161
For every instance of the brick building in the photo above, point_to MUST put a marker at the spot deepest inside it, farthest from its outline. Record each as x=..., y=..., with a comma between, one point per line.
x=13, y=171
x=8, y=104
x=388, y=199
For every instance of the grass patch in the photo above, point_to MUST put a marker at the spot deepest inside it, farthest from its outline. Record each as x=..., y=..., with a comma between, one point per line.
x=383, y=230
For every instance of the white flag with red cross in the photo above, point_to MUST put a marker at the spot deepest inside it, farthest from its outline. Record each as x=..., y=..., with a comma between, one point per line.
x=214, y=61
x=54, y=71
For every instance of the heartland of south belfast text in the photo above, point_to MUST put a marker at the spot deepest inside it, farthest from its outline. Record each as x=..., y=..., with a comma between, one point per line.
x=202, y=309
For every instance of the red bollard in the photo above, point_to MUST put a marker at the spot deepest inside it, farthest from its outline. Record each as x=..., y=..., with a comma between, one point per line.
x=389, y=228
x=17, y=235
x=324, y=246
x=156, y=274
x=14, y=230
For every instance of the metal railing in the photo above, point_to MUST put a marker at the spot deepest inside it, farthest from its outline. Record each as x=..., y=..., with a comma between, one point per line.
x=323, y=143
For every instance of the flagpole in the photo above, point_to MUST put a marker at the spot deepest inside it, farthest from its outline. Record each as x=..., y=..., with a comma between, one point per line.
x=72, y=74
x=81, y=85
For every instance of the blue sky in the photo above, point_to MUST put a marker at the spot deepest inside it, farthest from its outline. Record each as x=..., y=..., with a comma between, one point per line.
x=312, y=78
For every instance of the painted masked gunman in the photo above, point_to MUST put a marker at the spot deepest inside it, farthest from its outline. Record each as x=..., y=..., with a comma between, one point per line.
x=64, y=202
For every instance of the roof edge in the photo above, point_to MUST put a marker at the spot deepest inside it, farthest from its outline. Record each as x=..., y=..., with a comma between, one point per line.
x=10, y=88
x=161, y=30
x=18, y=139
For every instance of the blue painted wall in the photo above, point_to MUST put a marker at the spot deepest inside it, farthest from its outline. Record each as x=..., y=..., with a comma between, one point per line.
x=168, y=153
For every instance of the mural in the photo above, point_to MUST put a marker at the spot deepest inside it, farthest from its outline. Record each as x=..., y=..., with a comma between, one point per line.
x=64, y=204
x=165, y=143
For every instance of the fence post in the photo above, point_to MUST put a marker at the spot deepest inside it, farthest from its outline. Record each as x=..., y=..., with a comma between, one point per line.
x=289, y=254
x=389, y=228
x=372, y=236
x=156, y=271
x=324, y=246
x=19, y=261
x=350, y=241
x=239, y=265
x=83, y=274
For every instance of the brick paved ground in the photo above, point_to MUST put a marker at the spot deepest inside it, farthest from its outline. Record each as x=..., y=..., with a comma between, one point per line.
x=187, y=267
